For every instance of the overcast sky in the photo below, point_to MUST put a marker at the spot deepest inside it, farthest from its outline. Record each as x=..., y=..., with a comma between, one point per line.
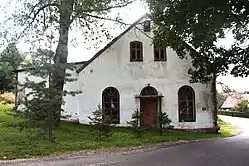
x=129, y=14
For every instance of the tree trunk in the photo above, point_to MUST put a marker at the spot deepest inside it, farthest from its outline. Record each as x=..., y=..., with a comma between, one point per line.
x=50, y=125
x=214, y=100
x=61, y=54
x=60, y=68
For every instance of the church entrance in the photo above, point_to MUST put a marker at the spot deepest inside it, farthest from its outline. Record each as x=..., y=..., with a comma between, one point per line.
x=149, y=106
x=148, y=111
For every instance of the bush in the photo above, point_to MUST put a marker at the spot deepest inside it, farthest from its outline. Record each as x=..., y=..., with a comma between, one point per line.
x=241, y=107
x=137, y=124
x=5, y=108
x=163, y=121
x=7, y=98
x=235, y=114
x=102, y=126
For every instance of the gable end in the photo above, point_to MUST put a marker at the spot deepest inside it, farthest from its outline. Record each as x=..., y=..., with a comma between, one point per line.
x=110, y=44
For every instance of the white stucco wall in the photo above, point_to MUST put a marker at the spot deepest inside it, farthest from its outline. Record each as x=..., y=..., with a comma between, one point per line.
x=21, y=80
x=71, y=105
x=113, y=68
x=71, y=102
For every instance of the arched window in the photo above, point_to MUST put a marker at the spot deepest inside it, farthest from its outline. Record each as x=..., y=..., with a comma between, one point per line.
x=136, y=51
x=186, y=104
x=110, y=105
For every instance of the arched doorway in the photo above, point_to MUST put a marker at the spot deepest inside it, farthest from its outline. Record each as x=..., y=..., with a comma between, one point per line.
x=149, y=105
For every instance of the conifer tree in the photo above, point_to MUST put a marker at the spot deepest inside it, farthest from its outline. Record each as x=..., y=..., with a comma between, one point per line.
x=102, y=126
x=163, y=121
x=137, y=123
x=38, y=109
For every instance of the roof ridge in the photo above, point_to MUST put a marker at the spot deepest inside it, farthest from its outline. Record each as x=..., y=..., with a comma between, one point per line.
x=32, y=68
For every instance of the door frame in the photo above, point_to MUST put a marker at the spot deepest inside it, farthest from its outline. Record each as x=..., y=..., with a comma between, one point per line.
x=154, y=95
x=144, y=109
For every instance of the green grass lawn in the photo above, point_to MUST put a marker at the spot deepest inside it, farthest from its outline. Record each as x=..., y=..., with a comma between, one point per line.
x=227, y=129
x=74, y=137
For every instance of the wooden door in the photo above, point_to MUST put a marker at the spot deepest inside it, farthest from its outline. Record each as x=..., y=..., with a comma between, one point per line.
x=148, y=110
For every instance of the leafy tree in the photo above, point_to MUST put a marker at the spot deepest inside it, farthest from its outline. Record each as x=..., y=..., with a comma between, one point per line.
x=194, y=27
x=243, y=106
x=103, y=128
x=10, y=59
x=37, y=18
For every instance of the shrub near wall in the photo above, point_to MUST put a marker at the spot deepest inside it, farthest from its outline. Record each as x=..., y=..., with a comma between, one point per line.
x=235, y=114
x=7, y=98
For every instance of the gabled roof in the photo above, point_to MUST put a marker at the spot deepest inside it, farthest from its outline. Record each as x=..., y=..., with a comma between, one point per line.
x=33, y=68
x=110, y=44
x=233, y=100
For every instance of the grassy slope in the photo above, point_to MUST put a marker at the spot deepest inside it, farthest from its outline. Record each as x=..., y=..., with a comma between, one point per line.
x=72, y=137
x=227, y=129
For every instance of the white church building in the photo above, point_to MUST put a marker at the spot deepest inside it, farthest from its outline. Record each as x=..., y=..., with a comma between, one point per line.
x=130, y=73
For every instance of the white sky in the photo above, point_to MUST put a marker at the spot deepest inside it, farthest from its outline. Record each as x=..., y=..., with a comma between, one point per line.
x=79, y=53
x=130, y=14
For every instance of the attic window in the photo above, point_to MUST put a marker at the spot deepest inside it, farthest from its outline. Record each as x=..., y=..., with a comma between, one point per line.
x=160, y=54
x=147, y=27
x=136, y=51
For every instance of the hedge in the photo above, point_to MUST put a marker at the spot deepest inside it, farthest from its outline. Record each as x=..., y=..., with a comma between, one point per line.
x=236, y=114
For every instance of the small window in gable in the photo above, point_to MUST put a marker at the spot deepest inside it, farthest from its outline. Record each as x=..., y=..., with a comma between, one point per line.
x=160, y=54
x=136, y=51
x=147, y=26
